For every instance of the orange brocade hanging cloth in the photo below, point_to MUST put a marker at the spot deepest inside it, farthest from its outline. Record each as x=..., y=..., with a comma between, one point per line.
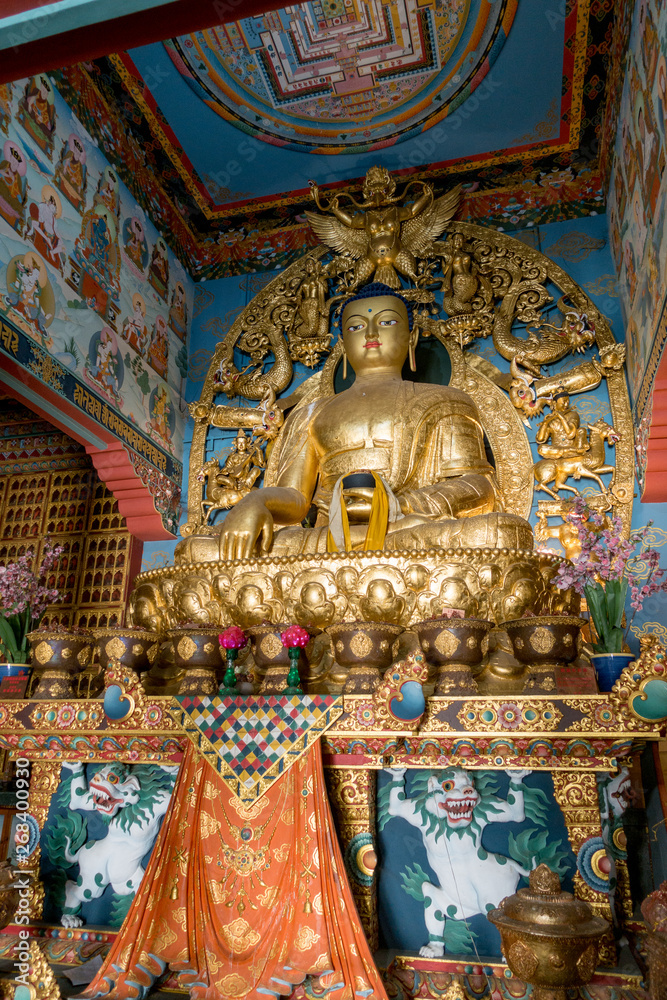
x=244, y=900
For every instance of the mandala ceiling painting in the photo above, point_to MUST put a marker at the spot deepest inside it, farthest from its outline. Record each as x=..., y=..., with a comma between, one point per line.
x=334, y=76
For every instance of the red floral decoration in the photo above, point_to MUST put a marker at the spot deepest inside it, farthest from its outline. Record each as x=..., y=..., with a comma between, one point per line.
x=295, y=636
x=233, y=638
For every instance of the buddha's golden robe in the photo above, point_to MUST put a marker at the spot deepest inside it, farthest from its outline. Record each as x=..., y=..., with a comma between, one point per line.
x=435, y=464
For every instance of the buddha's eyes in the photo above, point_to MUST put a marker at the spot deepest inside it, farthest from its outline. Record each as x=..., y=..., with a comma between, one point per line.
x=388, y=322
x=353, y=327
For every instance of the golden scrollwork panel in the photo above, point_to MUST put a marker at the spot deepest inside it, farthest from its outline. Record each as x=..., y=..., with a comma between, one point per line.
x=44, y=778
x=577, y=796
x=353, y=799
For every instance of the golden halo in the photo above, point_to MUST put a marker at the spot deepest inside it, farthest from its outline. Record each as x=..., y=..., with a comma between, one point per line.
x=137, y=298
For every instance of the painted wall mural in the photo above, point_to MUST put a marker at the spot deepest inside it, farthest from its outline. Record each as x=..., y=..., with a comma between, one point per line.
x=102, y=824
x=637, y=202
x=453, y=844
x=93, y=302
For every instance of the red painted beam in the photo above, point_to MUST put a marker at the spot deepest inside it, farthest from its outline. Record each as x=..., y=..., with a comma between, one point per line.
x=118, y=34
x=655, y=482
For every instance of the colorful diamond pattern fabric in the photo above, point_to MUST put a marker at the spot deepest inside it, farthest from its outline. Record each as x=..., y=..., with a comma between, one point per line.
x=251, y=741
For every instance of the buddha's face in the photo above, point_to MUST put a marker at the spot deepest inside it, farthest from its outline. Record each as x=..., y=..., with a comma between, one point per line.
x=376, y=333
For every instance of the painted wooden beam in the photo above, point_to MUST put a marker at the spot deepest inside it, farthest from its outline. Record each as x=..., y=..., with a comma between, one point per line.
x=655, y=481
x=50, y=44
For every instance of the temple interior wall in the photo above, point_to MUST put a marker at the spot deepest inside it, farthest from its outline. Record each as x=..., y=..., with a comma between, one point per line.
x=93, y=304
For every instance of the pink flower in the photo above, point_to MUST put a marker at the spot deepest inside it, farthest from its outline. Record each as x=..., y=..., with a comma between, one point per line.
x=233, y=638
x=295, y=635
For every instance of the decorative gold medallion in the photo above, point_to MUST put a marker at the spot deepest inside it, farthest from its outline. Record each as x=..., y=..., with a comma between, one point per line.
x=542, y=640
x=361, y=644
x=522, y=959
x=340, y=646
x=446, y=643
x=66, y=653
x=186, y=647
x=116, y=647
x=43, y=653
x=152, y=652
x=471, y=641
x=587, y=962
x=137, y=649
x=518, y=642
x=567, y=639
x=209, y=647
x=426, y=645
x=271, y=646
x=384, y=645
x=83, y=656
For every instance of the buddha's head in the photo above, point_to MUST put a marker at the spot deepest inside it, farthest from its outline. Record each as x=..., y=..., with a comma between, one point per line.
x=377, y=330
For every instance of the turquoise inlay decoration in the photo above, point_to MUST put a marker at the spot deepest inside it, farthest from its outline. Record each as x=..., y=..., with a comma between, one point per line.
x=651, y=703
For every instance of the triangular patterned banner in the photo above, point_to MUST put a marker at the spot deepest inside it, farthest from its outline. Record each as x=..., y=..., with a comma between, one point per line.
x=251, y=741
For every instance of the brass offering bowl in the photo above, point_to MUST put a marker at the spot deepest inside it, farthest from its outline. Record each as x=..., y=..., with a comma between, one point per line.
x=549, y=939
x=135, y=648
x=57, y=655
x=197, y=651
x=271, y=657
x=454, y=646
x=363, y=649
x=544, y=644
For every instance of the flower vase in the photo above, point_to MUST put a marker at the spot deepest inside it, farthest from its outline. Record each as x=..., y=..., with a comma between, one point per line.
x=19, y=672
x=608, y=668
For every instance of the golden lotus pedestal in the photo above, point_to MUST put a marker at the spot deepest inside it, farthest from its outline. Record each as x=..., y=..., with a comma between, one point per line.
x=326, y=589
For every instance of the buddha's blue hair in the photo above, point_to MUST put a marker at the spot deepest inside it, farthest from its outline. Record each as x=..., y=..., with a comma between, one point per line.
x=374, y=290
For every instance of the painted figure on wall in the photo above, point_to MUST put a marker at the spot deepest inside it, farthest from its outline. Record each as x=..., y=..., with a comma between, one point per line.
x=6, y=91
x=178, y=313
x=37, y=112
x=132, y=801
x=158, y=272
x=95, y=263
x=162, y=419
x=108, y=191
x=104, y=369
x=71, y=172
x=135, y=247
x=42, y=227
x=158, y=350
x=650, y=154
x=451, y=809
x=30, y=294
x=13, y=186
x=135, y=331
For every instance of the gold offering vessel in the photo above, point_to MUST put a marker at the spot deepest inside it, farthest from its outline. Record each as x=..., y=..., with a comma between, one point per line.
x=549, y=938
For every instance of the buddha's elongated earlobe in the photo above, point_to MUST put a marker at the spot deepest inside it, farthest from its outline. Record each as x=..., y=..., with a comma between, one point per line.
x=411, y=356
x=344, y=364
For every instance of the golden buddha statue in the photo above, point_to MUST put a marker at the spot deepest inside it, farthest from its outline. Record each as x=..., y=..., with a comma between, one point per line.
x=389, y=464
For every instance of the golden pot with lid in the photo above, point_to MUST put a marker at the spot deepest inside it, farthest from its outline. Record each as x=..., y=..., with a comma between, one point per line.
x=550, y=939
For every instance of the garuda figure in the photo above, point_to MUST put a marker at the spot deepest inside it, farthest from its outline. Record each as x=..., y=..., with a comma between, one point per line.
x=384, y=235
